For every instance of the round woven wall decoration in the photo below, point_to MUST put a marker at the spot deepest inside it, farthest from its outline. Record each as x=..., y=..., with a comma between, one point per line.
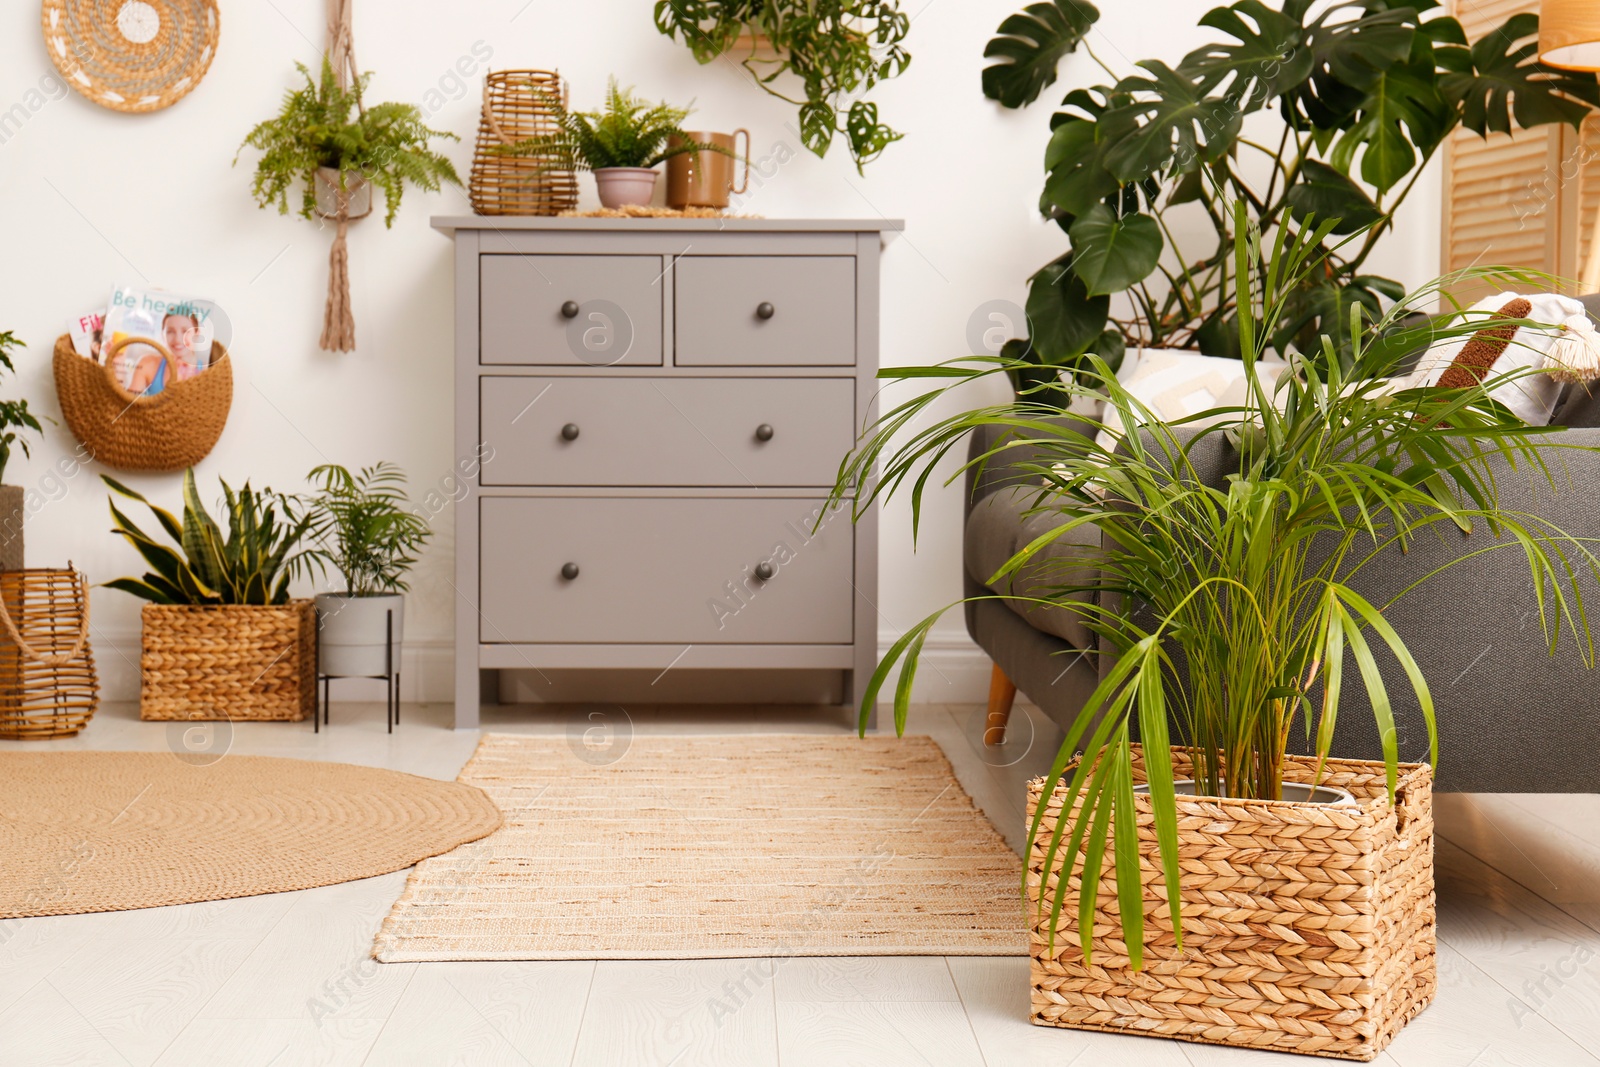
x=131, y=55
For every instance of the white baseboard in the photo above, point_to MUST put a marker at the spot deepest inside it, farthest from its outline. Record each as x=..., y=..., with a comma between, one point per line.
x=953, y=670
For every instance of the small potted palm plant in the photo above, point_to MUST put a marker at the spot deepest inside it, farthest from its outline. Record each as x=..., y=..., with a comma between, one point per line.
x=362, y=527
x=622, y=144
x=1185, y=877
x=15, y=422
x=222, y=638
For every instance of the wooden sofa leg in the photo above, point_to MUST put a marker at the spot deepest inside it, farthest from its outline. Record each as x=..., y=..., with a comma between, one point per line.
x=1002, y=694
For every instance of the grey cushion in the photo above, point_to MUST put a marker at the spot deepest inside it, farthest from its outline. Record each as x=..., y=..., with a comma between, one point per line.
x=1000, y=526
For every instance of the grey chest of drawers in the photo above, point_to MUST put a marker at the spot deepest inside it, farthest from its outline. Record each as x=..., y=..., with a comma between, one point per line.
x=651, y=413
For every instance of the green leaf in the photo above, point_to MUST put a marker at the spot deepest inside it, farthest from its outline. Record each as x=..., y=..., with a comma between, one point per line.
x=142, y=590
x=1064, y=319
x=1111, y=254
x=1125, y=849
x=1269, y=59
x=1402, y=108
x=1077, y=180
x=1179, y=125
x=1326, y=193
x=1501, y=83
x=1030, y=45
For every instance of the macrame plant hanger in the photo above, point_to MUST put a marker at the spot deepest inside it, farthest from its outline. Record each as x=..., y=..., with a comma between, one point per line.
x=338, y=322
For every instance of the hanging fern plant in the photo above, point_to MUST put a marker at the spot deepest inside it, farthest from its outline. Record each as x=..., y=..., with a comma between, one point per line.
x=839, y=49
x=324, y=125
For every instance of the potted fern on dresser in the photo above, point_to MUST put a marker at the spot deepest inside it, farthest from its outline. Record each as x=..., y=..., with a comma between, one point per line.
x=362, y=527
x=222, y=639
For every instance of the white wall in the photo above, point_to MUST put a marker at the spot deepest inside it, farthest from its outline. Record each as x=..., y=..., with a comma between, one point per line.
x=89, y=197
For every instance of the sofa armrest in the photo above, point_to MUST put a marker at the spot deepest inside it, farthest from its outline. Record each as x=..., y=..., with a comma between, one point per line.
x=1003, y=470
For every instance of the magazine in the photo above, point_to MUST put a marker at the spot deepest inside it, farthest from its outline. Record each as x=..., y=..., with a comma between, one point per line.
x=185, y=325
x=85, y=333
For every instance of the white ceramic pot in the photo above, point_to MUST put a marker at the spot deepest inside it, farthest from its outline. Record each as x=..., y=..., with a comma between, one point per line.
x=351, y=633
x=1292, y=791
x=622, y=186
x=356, y=196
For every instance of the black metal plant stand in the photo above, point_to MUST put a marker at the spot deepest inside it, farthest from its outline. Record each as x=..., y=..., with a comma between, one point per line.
x=390, y=678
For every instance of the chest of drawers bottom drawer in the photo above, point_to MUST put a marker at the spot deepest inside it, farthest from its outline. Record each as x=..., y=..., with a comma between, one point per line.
x=693, y=570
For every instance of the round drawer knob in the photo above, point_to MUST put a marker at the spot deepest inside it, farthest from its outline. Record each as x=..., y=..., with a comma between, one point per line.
x=765, y=571
x=570, y=309
x=764, y=432
x=569, y=432
x=764, y=310
x=569, y=571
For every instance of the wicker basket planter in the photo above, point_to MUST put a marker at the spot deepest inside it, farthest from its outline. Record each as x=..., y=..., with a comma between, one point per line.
x=234, y=662
x=1306, y=928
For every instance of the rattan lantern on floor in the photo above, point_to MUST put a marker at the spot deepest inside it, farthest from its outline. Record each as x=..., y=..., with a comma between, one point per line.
x=48, y=686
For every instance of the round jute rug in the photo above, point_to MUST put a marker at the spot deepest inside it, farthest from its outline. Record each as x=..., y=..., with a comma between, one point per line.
x=112, y=831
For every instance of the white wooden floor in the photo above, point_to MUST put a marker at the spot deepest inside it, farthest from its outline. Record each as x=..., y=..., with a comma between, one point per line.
x=286, y=980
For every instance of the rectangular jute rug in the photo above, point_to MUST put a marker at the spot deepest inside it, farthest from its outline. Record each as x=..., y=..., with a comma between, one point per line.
x=706, y=847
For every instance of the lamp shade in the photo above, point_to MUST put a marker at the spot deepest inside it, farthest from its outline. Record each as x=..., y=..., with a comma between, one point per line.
x=1569, y=34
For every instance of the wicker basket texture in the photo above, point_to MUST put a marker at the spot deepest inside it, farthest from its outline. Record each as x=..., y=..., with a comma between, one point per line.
x=48, y=686
x=235, y=662
x=516, y=106
x=171, y=431
x=1307, y=928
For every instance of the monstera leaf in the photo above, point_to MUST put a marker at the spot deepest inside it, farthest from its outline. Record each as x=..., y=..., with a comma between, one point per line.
x=1347, y=58
x=1064, y=318
x=1179, y=125
x=1029, y=46
x=1110, y=253
x=1501, y=82
x=1268, y=60
x=1404, y=95
x=1326, y=193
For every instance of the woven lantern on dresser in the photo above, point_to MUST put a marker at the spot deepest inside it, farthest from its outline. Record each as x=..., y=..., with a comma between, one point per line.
x=651, y=413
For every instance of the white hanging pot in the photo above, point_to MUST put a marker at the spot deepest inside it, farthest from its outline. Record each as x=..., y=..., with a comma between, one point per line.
x=352, y=632
x=626, y=186
x=355, y=197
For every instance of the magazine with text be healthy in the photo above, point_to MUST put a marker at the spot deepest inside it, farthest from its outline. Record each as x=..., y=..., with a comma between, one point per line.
x=185, y=325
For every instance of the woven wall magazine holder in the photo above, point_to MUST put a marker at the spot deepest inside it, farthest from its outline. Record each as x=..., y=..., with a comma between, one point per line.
x=170, y=431
x=517, y=106
x=48, y=686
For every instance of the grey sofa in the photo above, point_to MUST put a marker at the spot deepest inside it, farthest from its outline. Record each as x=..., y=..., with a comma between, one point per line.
x=1512, y=717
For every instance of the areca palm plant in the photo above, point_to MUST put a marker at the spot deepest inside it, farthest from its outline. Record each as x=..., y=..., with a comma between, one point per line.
x=1231, y=610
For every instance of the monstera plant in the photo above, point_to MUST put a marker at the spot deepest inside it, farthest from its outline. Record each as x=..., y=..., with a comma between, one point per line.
x=1367, y=91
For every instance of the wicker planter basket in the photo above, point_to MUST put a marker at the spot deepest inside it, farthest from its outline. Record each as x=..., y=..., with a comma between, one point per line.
x=234, y=662
x=516, y=106
x=1306, y=928
x=48, y=687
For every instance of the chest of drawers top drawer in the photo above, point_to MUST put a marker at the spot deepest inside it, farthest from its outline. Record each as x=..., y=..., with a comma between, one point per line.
x=784, y=311
x=658, y=431
x=570, y=310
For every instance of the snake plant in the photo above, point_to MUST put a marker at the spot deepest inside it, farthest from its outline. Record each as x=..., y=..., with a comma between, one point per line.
x=249, y=563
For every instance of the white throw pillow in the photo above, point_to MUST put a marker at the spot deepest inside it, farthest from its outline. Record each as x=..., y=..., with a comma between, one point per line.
x=1174, y=384
x=1531, y=397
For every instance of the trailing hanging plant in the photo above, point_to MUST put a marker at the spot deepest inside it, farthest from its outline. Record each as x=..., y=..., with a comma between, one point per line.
x=15, y=419
x=1368, y=92
x=249, y=563
x=323, y=124
x=627, y=131
x=839, y=49
x=362, y=526
x=1228, y=605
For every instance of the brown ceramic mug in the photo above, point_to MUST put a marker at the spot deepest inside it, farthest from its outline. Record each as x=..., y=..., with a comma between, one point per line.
x=704, y=179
